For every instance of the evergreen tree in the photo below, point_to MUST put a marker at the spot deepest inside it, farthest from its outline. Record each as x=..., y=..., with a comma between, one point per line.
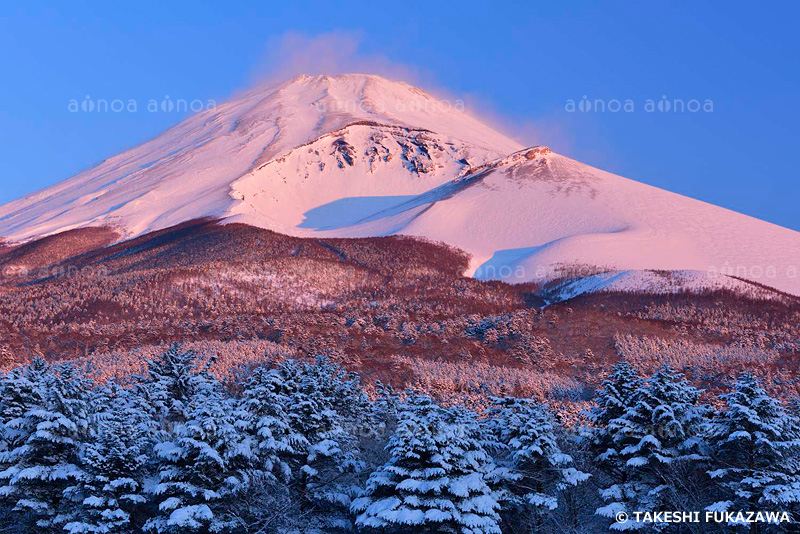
x=387, y=403
x=794, y=407
x=262, y=416
x=168, y=385
x=658, y=436
x=524, y=437
x=20, y=390
x=612, y=399
x=382, y=424
x=438, y=479
x=323, y=405
x=755, y=454
x=45, y=472
x=340, y=390
x=115, y=462
x=7, y=357
x=204, y=467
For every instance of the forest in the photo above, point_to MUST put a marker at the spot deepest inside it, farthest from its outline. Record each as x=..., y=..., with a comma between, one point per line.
x=300, y=446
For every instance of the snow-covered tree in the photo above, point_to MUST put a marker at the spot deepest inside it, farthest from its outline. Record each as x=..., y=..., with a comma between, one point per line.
x=340, y=390
x=168, y=385
x=44, y=471
x=262, y=416
x=613, y=398
x=382, y=423
x=438, y=479
x=7, y=357
x=523, y=434
x=204, y=466
x=324, y=405
x=794, y=407
x=387, y=402
x=112, y=494
x=755, y=454
x=658, y=435
x=20, y=390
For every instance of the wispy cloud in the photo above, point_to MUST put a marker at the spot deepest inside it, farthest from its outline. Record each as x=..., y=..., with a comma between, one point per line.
x=293, y=53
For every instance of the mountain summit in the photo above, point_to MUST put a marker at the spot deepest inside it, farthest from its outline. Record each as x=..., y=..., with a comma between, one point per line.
x=188, y=171
x=358, y=155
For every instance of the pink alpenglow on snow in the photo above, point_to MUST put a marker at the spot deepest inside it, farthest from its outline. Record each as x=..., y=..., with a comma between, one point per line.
x=359, y=155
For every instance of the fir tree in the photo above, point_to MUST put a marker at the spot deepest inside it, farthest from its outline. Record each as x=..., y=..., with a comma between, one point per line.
x=340, y=390
x=613, y=399
x=524, y=436
x=382, y=424
x=262, y=416
x=323, y=405
x=657, y=436
x=438, y=478
x=387, y=404
x=204, y=467
x=115, y=461
x=45, y=470
x=169, y=384
x=756, y=456
x=20, y=390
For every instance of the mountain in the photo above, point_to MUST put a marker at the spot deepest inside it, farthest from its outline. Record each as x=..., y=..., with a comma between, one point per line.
x=362, y=156
x=195, y=168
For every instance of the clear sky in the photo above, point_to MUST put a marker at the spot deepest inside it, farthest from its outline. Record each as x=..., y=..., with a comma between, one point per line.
x=516, y=64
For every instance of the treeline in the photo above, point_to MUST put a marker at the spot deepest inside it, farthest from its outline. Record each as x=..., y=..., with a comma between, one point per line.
x=300, y=448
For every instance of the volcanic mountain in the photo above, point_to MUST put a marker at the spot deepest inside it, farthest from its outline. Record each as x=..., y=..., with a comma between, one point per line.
x=362, y=156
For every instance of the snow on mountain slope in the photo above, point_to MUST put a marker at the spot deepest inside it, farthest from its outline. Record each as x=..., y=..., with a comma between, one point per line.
x=358, y=155
x=341, y=177
x=187, y=171
x=538, y=216
x=655, y=282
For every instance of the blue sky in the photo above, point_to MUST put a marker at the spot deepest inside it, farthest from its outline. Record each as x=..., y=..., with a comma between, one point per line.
x=515, y=65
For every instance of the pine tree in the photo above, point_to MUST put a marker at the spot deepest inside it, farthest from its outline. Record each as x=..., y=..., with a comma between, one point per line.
x=115, y=461
x=383, y=419
x=658, y=435
x=794, y=407
x=45, y=470
x=387, y=403
x=439, y=479
x=341, y=390
x=755, y=456
x=524, y=438
x=793, y=425
x=204, y=467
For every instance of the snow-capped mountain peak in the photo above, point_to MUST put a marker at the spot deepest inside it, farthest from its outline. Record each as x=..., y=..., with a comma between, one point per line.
x=188, y=171
x=359, y=155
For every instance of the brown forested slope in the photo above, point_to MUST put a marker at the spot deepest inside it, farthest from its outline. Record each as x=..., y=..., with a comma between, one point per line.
x=393, y=308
